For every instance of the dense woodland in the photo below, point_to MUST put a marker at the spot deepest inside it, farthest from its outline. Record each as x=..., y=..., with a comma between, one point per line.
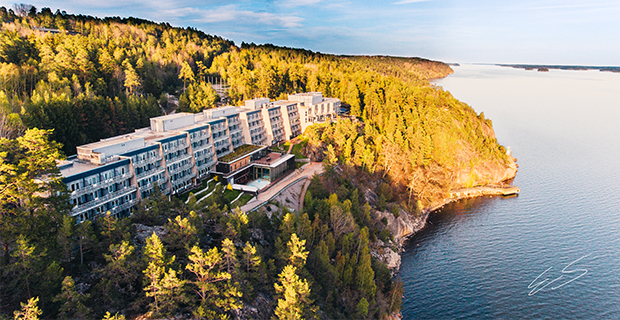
x=67, y=80
x=188, y=260
x=106, y=77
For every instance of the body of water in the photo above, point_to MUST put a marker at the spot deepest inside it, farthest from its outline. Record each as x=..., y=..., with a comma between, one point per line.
x=553, y=252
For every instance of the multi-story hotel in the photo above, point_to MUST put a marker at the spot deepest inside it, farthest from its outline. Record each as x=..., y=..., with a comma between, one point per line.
x=179, y=150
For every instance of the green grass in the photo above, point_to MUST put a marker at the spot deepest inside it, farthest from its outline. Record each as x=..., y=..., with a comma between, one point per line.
x=212, y=187
x=298, y=147
x=230, y=195
x=281, y=148
x=243, y=200
x=239, y=152
x=185, y=195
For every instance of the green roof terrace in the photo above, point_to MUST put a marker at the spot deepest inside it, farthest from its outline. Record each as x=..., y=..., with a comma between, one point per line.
x=240, y=152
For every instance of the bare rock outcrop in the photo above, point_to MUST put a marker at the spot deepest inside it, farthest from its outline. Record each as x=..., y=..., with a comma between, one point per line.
x=385, y=253
x=403, y=226
x=143, y=232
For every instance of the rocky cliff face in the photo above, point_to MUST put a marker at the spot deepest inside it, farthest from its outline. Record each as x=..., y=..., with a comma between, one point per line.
x=407, y=224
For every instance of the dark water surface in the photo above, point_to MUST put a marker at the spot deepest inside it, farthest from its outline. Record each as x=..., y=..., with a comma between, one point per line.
x=483, y=258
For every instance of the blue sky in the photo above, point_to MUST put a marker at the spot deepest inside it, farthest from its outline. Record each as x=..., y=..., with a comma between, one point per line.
x=537, y=32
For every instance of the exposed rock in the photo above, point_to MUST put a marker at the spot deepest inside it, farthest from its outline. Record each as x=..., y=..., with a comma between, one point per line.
x=257, y=234
x=404, y=226
x=143, y=232
x=259, y=309
x=394, y=316
x=384, y=253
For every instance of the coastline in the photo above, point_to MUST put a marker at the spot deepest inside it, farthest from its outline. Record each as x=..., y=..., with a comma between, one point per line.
x=417, y=223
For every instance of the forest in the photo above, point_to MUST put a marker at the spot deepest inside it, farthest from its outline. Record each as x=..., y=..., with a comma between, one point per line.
x=68, y=80
x=187, y=260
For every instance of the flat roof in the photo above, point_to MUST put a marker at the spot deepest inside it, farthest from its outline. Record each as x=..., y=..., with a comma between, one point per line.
x=308, y=94
x=274, y=159
x=108, y=142
x=76, y=167
x=172, y=116
x=283, y=102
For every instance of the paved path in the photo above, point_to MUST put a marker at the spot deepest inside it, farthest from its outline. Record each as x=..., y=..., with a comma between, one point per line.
x=302, y=195
x=307, y=171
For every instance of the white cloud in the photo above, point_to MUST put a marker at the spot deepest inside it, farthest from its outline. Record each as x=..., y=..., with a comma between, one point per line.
x=409, y=1
x=299, y=3
x=231, y=13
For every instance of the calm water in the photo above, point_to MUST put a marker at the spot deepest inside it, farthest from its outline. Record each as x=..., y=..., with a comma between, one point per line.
x=478, y=258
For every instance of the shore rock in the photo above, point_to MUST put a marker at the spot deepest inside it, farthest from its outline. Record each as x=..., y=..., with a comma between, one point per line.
x=385, y=253
x=403, y=226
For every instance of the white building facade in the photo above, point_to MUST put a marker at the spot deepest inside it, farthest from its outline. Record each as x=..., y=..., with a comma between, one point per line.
x=179, y=150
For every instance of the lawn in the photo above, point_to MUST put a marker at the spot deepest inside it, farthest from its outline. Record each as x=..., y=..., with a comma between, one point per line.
x=212, y=186
x=185, y=195
x=245, y=198
x=282, y=147
x=298, y=147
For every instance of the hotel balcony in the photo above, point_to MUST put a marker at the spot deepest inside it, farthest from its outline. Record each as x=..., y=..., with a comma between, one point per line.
x=101, y=184
x=78, y=209
x=150, y=172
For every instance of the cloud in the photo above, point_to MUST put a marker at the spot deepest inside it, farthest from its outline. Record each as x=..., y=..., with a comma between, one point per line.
x=232, y=13
x=409, y=1
x=299, y=3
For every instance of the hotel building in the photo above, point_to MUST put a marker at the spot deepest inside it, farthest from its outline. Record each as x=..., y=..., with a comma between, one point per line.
x=179, y=150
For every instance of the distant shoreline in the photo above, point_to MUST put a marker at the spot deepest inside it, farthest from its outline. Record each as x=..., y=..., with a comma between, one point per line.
x=560, y=67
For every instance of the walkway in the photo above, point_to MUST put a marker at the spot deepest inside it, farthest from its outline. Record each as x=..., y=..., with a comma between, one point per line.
x=307, y=171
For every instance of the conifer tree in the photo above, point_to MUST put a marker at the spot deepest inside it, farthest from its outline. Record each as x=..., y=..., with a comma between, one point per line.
x=162, y=284
x=216, y=293
x=294, y=294
x=29, y=310
x=156, y=260
x=186, y=74
x=250, y=258
x=297, y=253
x=116, y=316
x=230, y=256
x=132, y=80
x=64, y=237
x=71, y=302
x=85, y=237
x=118, y=276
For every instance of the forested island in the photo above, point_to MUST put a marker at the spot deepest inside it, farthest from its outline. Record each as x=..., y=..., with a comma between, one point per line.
x=67, y=80
x=560, y=67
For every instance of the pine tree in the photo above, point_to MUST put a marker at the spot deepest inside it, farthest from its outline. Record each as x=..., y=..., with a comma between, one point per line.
x=72, y=302
x=230, y=256
x=172, y=291
x=118, y=276
x=361, y=310
x=65, y=237
x=181, y=235
x=294, y=294
x=116, y=316
x=85, y=237
x=132, y=80
x=213, y=286
x=186, y=73
x=162, y=285
x=297, y=253
x=29, y=310
x=156, y=262
x=365, y=276
x=250, y=257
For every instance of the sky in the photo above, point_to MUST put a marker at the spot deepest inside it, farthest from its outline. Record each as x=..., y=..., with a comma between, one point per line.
x=567, y=32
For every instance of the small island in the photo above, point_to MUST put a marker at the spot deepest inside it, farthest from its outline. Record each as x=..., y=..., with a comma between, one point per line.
x=546, y=68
